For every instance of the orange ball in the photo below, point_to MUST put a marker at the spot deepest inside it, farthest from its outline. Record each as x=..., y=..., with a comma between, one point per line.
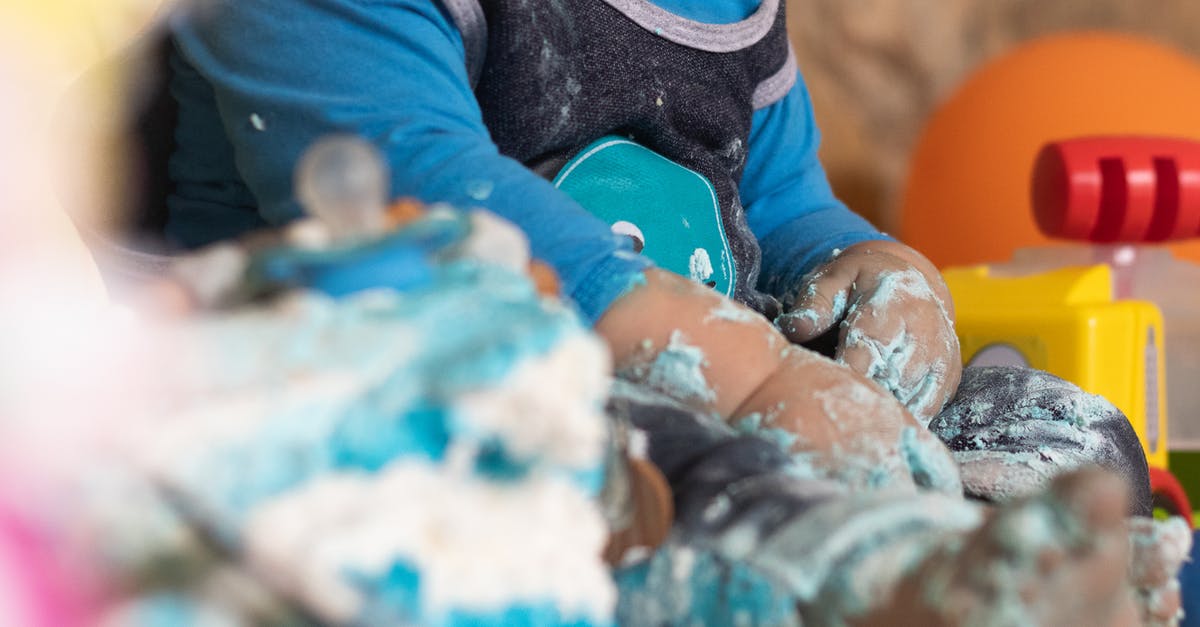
x=967, y=198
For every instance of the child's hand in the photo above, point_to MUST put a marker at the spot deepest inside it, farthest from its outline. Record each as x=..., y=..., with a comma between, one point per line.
x=896, y=321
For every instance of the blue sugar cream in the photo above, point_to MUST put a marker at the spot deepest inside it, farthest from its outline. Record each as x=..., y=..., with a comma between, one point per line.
x=761, y=425
x=676, y=371
x=393, y=365
x=430, y=455
x=686, y=585
x=932, y=468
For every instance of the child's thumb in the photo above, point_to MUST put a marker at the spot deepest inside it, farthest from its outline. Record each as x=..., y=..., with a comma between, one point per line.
x=820, y=306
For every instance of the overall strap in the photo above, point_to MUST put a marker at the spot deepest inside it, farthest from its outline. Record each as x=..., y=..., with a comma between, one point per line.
x=472, y=26
x=700, y=35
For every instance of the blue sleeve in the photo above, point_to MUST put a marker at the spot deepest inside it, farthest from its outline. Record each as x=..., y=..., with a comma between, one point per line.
x=789, y=205
x=285, y=72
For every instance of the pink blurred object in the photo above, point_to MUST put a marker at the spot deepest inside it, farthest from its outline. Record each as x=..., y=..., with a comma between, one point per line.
x=36, y=587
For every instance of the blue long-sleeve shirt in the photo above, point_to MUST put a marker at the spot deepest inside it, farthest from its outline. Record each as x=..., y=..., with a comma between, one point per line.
x=258, y=81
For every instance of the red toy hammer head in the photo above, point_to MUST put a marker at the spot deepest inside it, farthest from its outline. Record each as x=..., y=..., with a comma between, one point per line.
x=1118, y=189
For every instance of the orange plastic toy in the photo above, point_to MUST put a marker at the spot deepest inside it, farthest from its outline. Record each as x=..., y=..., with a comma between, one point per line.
x=967, y=197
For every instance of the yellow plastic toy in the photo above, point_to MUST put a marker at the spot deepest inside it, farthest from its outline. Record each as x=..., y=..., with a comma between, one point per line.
x=1066, y=322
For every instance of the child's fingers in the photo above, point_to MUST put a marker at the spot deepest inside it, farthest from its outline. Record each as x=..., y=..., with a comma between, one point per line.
x=875, y=344
x=935, y=370
x=900, y=344
x=821, y=304
x=1159, y=550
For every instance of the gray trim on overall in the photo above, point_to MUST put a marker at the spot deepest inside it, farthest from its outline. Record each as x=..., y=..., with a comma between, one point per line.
x=698, y=35
x=776, y=86
x=468, y=17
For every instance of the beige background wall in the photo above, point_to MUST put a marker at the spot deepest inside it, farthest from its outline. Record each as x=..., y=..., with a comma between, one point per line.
x=877, y=68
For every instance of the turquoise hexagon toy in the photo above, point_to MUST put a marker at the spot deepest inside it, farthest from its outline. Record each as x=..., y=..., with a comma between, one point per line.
x=669, y=211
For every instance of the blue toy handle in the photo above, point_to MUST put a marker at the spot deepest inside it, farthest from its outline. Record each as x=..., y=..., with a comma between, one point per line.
x=401, y=261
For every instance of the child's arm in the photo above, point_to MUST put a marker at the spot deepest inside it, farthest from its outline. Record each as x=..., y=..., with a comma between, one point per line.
x=831, y=267
x=284, y=73
x=839, y=424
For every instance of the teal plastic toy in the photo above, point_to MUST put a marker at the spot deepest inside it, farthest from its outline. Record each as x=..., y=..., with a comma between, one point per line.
x=669, y=211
